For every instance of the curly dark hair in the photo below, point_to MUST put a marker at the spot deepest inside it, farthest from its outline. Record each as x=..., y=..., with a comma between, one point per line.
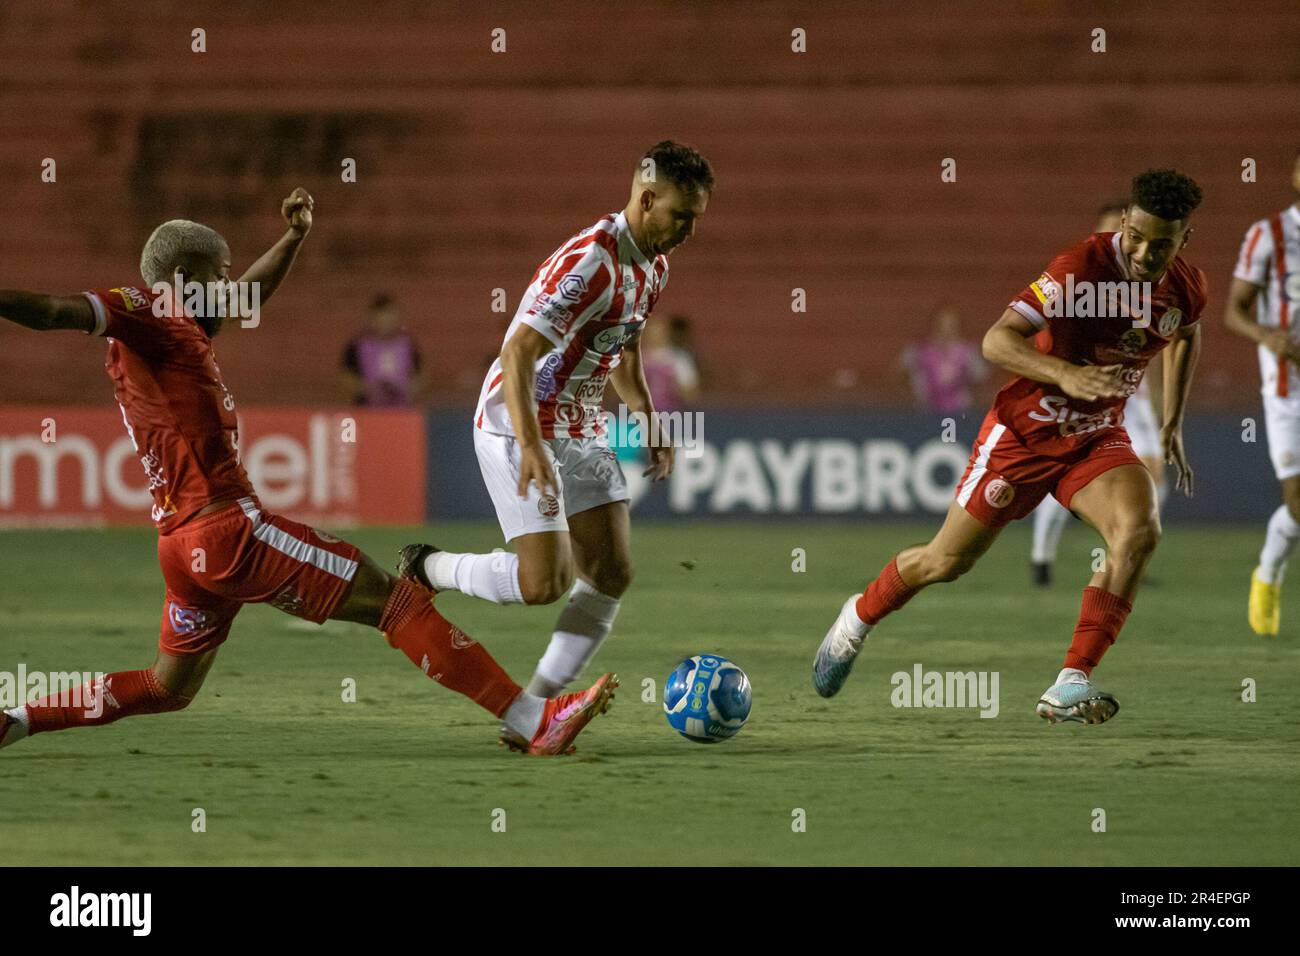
x=681, y=165
x=1166, y=194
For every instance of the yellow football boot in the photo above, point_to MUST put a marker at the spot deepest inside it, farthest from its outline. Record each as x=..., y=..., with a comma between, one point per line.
x=1265, y=609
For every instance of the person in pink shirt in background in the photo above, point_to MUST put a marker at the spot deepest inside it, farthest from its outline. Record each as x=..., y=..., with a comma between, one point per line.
x=944, y=367
x=381, y=365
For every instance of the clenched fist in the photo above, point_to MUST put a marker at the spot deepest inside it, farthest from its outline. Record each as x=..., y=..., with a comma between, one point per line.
x=297, y=211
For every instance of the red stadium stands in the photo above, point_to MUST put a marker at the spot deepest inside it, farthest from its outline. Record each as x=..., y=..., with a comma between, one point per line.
x=472, y=165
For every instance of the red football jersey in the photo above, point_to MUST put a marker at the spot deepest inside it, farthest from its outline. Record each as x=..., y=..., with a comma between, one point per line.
x=178, y=412
x=1136, y=322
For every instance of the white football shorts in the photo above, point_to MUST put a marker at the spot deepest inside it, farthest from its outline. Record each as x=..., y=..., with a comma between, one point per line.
x=586, y=470
x=1282, y=423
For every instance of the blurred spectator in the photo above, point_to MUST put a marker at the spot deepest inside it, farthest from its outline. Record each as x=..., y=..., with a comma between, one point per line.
x=943, y=367
x=381, y=364
x=669, y=363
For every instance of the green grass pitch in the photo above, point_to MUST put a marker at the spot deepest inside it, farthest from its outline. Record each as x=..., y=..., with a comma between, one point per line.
x=288, y=773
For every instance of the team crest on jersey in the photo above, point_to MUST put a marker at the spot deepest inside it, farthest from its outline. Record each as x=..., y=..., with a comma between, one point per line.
x=999, y=493
x=132, y=298
x=548, y=506
x=1132, y=341
x=572, y=286
x=1169, y=322
x=459, y=639
x=186, y=620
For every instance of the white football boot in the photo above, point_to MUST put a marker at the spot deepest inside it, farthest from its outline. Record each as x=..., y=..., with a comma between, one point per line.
x=1075, y=697
x=839, y=649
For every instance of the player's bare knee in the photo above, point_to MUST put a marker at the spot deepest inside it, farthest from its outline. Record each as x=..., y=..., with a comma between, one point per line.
x=545, y=588
x=1138, y=542
x=612, y=577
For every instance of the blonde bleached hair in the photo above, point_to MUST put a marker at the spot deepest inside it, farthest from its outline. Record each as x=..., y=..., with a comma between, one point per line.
x=177, y=244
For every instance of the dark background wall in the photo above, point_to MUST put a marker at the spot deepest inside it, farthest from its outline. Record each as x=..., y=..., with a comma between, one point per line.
x=472, y=166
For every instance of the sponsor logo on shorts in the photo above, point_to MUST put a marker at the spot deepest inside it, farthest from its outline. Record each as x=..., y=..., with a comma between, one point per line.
x=572, y=286
x=186, y=620
x=999, y=493
x=1169, y=322
x=548, y=506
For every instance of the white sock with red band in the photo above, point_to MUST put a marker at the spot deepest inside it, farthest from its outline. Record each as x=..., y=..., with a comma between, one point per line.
x=493, y=577
x=1283, y=533
x=584, y=624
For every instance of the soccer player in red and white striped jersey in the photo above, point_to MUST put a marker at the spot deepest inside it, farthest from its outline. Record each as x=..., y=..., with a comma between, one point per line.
x=218, y=549
x=1264, y=306
x=539, y=430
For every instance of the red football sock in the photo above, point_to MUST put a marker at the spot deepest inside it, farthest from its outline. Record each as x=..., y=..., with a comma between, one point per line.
x=885, y=594
x=443, y=651
x=1100, y=619
x=121, y=694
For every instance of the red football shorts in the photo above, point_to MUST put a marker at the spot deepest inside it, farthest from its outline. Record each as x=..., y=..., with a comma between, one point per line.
x=1006, y=480
x=240, y=555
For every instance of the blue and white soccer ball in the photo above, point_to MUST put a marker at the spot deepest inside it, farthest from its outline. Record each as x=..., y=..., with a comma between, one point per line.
x=707, y=698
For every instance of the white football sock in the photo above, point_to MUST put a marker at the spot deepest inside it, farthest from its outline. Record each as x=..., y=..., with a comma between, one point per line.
x=584, y=623
x=1049, y=521
x=524, y=715
x=493, y=577
x=1279, y=542
x=1071, y=675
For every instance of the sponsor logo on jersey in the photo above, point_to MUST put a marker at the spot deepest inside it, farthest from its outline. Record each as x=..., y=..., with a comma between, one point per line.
x=1046, y=288
x=569, y=413
x=1169, y=322
x=553, y=312
x=544, y=388
x=592, y=390
x=548, y=506
x=1132, y=341
x=572, y=286
x=999, y=493
x=460, y=639
x=132, y=298
x=613, y=338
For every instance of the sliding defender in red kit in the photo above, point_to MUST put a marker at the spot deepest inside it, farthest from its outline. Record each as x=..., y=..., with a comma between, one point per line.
x=1078, y=340
x=181, y=419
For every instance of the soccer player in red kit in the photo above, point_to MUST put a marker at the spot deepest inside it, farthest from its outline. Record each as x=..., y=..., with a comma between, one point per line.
x=1078, y=340
x=181, y=419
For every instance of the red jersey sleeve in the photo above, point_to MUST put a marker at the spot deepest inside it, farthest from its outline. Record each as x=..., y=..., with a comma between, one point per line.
x=127, y=314
x=1044, y=294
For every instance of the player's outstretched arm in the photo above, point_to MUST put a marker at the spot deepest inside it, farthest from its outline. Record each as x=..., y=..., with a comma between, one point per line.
x=1009, y=344
x=269, y=271
x=44, y=313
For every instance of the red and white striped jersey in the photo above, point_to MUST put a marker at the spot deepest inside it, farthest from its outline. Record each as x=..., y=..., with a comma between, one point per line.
x=1270, y=259
x=589, y=299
